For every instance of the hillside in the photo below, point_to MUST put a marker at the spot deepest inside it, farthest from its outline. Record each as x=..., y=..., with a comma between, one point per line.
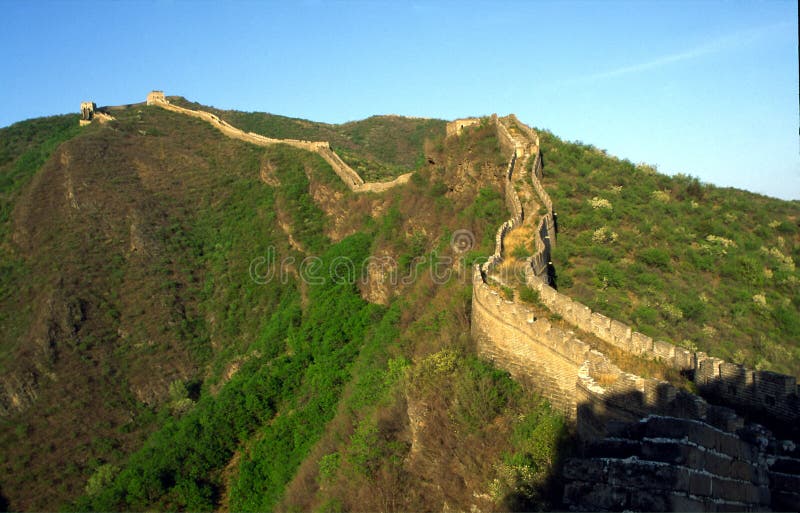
x=378, y=147
x=145, y=325
x=191, y=323
x=700, y=266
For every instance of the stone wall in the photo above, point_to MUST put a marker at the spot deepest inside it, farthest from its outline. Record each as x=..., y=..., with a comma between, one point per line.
x=682, y=452
x=531, y=349
x=663, y=463
x=507, y=142
x=454, y=128
x=348, y=175
x=776, y=394
x=728, y=383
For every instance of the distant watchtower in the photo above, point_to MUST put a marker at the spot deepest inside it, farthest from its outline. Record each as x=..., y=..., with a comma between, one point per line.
x=87, y=112
x=156, y=97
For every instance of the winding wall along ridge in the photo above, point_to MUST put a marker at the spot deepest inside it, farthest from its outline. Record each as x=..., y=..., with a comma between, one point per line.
x=675, y=450
x=729, y=383
x=348, y=175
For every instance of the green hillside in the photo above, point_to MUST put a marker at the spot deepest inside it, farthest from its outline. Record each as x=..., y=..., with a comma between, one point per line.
x=165, y=374
x=187, y=321
x=700, y=266
x=378, y=148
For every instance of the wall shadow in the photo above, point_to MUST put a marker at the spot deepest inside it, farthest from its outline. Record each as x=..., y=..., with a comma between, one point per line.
x=675, y=453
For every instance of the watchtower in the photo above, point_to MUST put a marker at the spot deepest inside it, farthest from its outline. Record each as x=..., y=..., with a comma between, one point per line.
x=87, y=110
x=156, y=97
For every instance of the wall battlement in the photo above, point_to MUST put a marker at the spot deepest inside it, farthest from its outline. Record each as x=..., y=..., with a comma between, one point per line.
x=89, y=113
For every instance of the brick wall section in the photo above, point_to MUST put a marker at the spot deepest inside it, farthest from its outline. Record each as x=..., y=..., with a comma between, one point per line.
x=729, y=383
x=532, y=350
x=353, y=181
x=704, y=463
x=732, y=384
x=504, y=137
x=664, y=463
x=454, y=128
x=776, y=394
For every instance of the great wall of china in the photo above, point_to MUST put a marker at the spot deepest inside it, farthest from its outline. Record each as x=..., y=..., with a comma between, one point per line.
x=322, y=148
x=647, y=444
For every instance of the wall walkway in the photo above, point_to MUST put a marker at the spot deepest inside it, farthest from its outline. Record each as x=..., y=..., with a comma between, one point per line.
x=353, y=181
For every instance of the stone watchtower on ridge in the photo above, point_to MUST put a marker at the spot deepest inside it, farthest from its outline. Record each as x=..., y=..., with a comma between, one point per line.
x=156, y=97
x=87, y=112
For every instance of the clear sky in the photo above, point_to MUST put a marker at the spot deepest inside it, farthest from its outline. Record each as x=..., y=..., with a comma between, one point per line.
x=702, y=88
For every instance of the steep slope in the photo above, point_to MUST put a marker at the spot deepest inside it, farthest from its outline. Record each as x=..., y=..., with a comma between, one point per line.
x=159, y=341
x=139, y=279
x=340, y=344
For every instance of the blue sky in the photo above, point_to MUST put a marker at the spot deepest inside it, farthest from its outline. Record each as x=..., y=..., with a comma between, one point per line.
x=702, y=88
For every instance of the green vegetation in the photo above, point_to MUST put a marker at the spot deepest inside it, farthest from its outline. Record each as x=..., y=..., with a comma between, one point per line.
x=683, y=261
x=187, y=357
x=377, y=148
x=283, y=396
x=24, y=149
x=214, y=387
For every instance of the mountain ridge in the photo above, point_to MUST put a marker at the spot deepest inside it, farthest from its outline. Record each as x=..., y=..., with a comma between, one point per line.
x=449, y=191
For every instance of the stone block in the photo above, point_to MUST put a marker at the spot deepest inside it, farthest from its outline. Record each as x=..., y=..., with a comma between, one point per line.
x=734, y=490
x=659, y=394
x=601, y=327
x=641, y=344
x=700, y=484
x=708, y=368
x=774, y=383
x=620, y=334
x=642, y=474
x=730, y=445
x=645, y=500
x=584, y=469
x=741, y=470
x=599, y=496
x=684, y=359
x=582, y=315
x=548, y=295
x=579, y=351
x=663, y=350
x=681, y=502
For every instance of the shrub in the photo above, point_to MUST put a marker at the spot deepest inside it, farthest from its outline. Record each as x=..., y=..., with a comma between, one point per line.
x=529, y=295
x=655, y=257
x=645, y=315
x=521, y=252
x=607, y=275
